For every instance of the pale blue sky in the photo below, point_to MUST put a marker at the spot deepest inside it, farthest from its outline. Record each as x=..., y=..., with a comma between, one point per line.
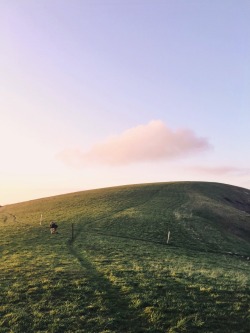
x=75, y=73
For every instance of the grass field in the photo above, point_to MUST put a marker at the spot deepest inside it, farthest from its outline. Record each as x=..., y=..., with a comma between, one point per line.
x=118, y=273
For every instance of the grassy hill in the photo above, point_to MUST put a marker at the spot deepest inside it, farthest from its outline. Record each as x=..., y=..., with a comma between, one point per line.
x=118, y=273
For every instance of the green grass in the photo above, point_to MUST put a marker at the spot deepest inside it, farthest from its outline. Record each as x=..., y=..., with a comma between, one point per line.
x=118, y=274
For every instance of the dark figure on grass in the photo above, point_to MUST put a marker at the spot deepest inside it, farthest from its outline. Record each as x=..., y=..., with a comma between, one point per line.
x=53, y=227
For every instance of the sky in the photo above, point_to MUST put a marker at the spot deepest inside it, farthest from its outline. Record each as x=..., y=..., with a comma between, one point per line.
x=99, y=93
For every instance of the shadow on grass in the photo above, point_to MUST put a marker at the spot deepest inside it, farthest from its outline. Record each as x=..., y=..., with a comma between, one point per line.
x=168, y=302
x=113, y=304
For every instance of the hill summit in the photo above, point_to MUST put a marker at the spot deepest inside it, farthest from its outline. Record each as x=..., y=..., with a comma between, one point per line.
x=199, y=215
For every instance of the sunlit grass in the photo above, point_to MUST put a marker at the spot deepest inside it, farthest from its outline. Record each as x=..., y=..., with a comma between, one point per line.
x=118, y=274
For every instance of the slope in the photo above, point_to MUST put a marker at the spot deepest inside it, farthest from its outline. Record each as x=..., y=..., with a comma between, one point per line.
x=204, y=216
x=118, y=274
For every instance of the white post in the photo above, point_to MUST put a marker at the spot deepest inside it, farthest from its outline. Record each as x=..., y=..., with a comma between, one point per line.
x=168, y=237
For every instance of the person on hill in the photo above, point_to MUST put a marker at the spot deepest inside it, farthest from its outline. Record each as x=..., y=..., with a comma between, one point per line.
x=53, y=227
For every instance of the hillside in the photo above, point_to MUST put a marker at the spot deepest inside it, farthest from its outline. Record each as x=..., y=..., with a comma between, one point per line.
x=204, y=216
x=118, y=272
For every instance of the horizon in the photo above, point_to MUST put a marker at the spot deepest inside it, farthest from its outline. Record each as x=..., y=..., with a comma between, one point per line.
x=102, y=94
x=121, y=186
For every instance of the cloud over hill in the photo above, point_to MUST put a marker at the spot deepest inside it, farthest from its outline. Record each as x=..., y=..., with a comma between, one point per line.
x=151, y=142
x=222, y=170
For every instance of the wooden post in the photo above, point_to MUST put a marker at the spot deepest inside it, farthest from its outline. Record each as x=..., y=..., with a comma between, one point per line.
x=72, y=232
x=168, y=237
x=41, y=218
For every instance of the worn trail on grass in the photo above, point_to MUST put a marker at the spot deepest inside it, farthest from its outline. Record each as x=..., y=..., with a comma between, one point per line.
x=87, y=229
x=87, y=225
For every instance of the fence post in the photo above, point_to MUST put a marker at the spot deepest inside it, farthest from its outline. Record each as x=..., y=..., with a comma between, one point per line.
x=72, y=231
x=168, y=237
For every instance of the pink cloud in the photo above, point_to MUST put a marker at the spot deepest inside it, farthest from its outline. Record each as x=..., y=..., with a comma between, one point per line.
x=151, y=142
x=222, y=170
